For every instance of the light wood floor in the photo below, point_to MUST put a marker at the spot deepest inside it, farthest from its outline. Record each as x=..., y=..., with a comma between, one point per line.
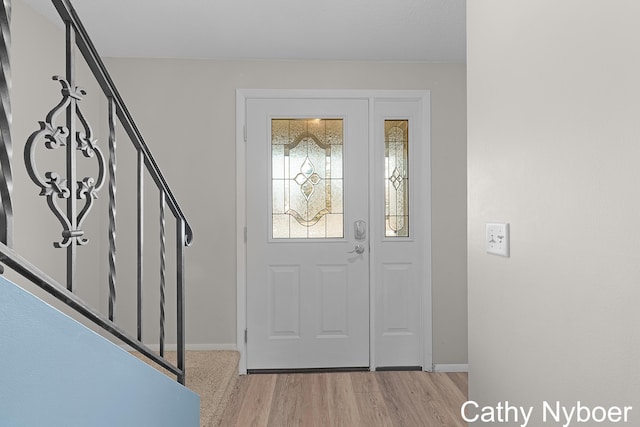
x=371, y=399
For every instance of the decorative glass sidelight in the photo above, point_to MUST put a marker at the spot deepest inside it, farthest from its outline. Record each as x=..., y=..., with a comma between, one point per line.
x=307, y=180
x=396, y=166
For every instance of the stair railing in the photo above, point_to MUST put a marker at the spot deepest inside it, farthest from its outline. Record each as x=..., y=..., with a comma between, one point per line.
x=75, y=136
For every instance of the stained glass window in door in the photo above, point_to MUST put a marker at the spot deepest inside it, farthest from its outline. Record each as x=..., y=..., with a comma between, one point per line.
x=306, y=175
x=396, y=165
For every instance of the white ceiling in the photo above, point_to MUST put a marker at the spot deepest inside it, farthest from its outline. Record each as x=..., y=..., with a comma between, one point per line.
x=376, y=30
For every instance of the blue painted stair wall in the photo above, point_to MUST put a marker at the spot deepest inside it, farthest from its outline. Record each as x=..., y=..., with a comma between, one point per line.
x=57, y=372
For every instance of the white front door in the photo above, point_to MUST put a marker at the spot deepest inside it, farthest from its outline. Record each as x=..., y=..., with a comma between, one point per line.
x=307, y=205
x=334, y=264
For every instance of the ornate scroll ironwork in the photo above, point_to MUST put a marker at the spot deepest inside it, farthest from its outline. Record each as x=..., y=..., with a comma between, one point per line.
x=6, y=181
x=53, y=186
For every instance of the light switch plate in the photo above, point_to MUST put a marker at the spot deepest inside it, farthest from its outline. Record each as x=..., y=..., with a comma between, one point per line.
x=497, y=239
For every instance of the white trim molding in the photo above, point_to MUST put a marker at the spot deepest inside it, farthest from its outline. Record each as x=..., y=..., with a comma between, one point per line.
x=444, y=367
x=188, y=347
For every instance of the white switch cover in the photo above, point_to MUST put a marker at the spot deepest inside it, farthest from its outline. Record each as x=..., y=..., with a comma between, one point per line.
x=497, y=239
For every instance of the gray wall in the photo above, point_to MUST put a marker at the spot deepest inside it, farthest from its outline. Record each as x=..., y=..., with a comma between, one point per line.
x=553, y=149
x=186, y=112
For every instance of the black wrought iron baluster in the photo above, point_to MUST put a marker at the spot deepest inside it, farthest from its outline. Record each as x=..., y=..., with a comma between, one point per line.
x=180, y=244
x=140, y=246
x=72, y=249
x=162, y=270
x=112, y=208
x=6, y=180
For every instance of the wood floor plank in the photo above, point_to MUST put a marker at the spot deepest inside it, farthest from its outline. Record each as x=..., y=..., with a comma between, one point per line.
x=452, y=397
x=315, y=395
x=287, y=403
x=343, y=410
x=444, y=399
x=364, y=381
x=255, y=408
x=394, y=390
x=424, y=395
x=233, y=409
x=371, y=404
x=460, y=380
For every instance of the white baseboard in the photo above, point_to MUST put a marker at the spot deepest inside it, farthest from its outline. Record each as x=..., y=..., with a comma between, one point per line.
x=193, y=347
x=451, y=367
x=211, y=347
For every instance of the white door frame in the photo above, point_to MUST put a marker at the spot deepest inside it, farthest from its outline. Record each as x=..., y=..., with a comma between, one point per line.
x=241, y=262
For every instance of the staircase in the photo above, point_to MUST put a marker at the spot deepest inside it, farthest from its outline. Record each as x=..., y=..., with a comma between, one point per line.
x=62, y=372
x=213, y=376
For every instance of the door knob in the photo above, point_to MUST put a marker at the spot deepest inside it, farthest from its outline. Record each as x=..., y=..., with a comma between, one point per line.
x=359, y=249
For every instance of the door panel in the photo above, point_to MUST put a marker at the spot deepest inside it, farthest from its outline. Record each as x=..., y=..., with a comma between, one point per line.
x=401, y=264
x=284, y=301
x=397, y=298
x=333, y=300
x=307, y=289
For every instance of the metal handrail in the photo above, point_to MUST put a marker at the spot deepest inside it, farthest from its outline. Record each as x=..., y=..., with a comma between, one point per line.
x=53, y=186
